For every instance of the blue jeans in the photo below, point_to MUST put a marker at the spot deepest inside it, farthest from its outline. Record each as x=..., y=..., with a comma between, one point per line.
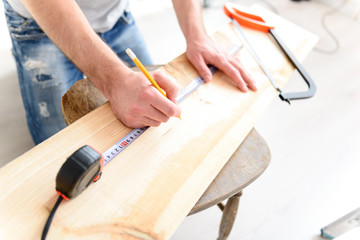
x=45, y=74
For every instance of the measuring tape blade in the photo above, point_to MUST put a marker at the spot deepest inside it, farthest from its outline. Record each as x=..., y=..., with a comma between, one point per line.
x=185, y=92
x=123, y=143
x=118, y=147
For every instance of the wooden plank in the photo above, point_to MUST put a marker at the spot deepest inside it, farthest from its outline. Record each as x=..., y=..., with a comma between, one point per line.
x=246, y=164
x=148, y=189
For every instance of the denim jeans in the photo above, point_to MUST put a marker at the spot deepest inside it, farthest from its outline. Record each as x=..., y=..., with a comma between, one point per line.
x=45, y=74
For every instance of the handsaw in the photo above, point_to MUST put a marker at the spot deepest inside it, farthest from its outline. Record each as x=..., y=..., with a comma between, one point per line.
x=239, y=16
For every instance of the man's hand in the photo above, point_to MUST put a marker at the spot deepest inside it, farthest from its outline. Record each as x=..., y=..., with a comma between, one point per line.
x=204, y=51
x=138, y=104
x=133, y=99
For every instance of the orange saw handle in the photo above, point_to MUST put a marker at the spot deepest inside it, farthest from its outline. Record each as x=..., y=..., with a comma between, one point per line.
x=246, y=19
x=241, y=17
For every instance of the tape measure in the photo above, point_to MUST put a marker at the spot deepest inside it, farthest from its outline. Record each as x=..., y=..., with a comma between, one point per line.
x=85, y=165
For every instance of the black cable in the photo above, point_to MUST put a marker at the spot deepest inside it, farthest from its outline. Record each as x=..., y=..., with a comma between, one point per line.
x=49, y=220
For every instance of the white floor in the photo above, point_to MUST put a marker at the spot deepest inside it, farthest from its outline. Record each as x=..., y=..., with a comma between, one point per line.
x=314, y=175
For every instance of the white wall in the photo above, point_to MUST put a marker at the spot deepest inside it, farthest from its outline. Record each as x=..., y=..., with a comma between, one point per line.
x=4, y=34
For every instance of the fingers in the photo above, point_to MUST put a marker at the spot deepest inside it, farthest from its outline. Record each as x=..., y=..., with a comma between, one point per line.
x=168, y=105
x=233, y=68
x=151, y=122
x=245, y=74
x=165, y=106
x=165, y=83
x=201, y=53
x=153, y=108
x=232, y=72
x=201, y=66
x=137, y=103
x=154, y=118
x=152, y=97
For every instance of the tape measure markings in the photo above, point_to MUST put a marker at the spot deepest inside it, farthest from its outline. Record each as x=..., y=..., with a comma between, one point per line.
x=123, y=143
x=185, y=92
x=118, y=147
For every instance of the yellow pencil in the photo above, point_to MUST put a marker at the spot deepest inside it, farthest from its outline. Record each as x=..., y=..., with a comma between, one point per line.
x=137, y=62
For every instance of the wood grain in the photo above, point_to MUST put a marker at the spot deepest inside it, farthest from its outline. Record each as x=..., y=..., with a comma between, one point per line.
x=246, y=164
x=148, y=189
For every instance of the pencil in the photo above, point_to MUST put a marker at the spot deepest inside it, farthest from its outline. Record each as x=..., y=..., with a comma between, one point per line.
x=137, y=62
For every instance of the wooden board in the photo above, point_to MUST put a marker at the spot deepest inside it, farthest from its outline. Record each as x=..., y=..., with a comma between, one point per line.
x=149, y=188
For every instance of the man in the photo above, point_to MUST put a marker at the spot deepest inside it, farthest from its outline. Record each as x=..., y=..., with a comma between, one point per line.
x=50, y=38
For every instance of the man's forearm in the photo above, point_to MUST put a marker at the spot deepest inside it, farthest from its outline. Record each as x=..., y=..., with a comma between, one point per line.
x=133, y=100
x=189, y=16
x=66, y=25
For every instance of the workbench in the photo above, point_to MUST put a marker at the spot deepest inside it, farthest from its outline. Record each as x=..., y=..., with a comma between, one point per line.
x=146, y=191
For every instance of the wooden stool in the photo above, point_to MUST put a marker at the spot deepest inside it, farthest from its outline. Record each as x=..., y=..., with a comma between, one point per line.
x=247, y=163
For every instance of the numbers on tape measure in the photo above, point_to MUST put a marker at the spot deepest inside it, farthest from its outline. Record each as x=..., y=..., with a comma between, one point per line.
x=118, y=147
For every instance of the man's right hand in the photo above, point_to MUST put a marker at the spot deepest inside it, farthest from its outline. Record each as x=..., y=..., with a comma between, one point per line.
x=133, y=99
x=138, y=104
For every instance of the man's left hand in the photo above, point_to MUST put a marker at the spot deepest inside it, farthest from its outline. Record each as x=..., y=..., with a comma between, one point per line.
x=202, y=52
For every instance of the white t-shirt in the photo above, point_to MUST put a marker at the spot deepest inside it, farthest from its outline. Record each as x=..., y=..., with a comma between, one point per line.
x=101, y=14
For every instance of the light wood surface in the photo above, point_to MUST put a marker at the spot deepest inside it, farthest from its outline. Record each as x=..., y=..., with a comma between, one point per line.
x=145, y=194
x=246, y=164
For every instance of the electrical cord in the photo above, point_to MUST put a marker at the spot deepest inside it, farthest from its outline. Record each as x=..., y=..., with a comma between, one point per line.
x=49, y=220
x=324, y=16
